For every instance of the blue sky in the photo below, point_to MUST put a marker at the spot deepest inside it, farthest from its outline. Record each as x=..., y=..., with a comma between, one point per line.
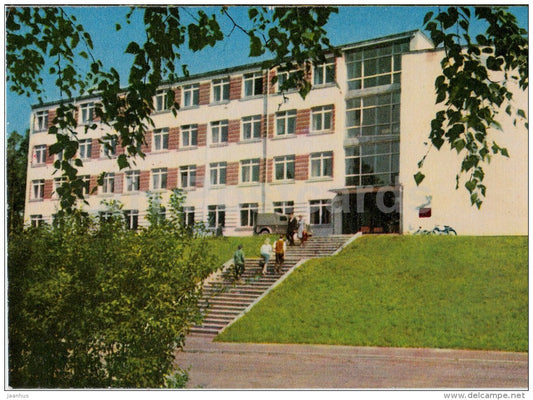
x=351, y=24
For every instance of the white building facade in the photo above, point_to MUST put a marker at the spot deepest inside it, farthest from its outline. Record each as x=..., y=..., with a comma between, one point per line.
x=344, y=158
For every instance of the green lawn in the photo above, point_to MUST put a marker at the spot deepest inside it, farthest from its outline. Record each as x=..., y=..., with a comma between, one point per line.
x=223, y=248
x=401, y=291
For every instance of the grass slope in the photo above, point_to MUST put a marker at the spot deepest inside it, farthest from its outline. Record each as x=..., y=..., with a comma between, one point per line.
x=223, y=248
x=401, y=291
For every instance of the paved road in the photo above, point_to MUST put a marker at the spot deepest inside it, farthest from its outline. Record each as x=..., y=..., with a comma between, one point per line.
x=278, y=366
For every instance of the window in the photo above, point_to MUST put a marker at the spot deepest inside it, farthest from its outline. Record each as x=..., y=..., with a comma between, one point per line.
x=220, y=89
x=109, y=183
x=37, y=189
x=250, y=170
x=251, y=127
x=87, y=112
x=219, y=132
x=132, y=181
x=131, y=218
x=284, y=207
x=322, y=164
x=39, y=154
x=284, y=77
x=188, y=176
x=58, y=184
x=321, y=118
x=160, y=102
x=36, y=220
x=188, y=216
x=248, y=213
x=373, y=115
x=284, y=168
x=159, y=178
x=41, y=121
x=216, y=215
x=86, y=182
x=218, y=173
x=109, y=147
x=160, y=139
x=189, y=135
x=372, y=164
x=286, y=123
x=324, y=73
x=320, y=212
x=191, y=94
x=85, y=148
x=375, y=66
x=253, y=84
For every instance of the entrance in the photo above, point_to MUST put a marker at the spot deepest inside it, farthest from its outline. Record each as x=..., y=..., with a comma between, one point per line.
x=371, y=212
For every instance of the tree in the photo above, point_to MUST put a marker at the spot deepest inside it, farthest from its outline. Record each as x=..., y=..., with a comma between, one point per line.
x=38, y=37
x=469, y=88
x=17, y=156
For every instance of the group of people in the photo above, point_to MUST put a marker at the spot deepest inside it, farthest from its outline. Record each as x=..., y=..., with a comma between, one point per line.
x=295, y=227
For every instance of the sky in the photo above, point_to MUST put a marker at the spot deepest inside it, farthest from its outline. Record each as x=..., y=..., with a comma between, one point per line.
x=351, y=24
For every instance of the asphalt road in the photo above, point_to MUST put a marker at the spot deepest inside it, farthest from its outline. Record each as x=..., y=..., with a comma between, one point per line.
x=277, y=366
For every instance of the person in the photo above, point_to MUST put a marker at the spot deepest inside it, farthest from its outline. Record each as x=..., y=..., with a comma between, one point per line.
x=292, y=227
x=266, y=251
x=238, y=261
x=279, y=248
x=301, y=230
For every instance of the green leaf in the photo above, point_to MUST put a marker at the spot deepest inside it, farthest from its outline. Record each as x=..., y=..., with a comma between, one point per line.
x=419, y=177
x=256, y=47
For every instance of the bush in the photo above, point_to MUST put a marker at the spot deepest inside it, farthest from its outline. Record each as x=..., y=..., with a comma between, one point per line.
x=94, y=306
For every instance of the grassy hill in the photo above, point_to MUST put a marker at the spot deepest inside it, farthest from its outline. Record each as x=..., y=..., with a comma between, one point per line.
x=401, y=291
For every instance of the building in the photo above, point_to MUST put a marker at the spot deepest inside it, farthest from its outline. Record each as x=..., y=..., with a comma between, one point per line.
x=344, y=157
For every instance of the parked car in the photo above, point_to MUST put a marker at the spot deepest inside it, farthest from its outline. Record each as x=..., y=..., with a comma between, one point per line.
x=267, y=223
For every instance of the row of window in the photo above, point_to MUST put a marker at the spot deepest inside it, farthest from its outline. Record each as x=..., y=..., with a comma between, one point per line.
x=319, y=214
x=321, y=166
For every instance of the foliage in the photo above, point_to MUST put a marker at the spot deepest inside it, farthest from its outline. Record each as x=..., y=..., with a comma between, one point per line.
x=38, y=36
x=17, y=156
x=474, y=85
x=97, y=305
x=401, y=291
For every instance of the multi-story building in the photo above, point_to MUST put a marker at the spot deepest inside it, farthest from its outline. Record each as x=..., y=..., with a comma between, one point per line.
x=344, y=157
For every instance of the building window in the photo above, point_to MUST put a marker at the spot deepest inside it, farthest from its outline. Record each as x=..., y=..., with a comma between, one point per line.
x=39, y=154
x=36, y=220
x=218, y=173
x=248, y=213
x=41, y=121
x=373, y=115
x=219, y=132
x=86, y=184
x=87, y=112
x=37, y=189
x=284, y=168
x=132, y=181
x=284, y=207
x=321, y=164
x=58, y=184
x=251, y=127
x=160, y=101
x=160, y=139
x=250, y=170
x=188, y=216
x=188, y=176
x=324, y=73
x=284, y=76
x=375, y=66
x=375, y=164
x=321, y=118
x=320, y=212
x=131, y=217
x=220, y=90
x=159, y=178
x=109, y=183
x=109, y=147
x=286, y=123
x=253, y=84
x=191, y=94
x=216, y=216
x=189, y=135
x=85, y=148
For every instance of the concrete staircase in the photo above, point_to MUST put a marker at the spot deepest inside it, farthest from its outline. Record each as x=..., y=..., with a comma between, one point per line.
x=224, y=299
